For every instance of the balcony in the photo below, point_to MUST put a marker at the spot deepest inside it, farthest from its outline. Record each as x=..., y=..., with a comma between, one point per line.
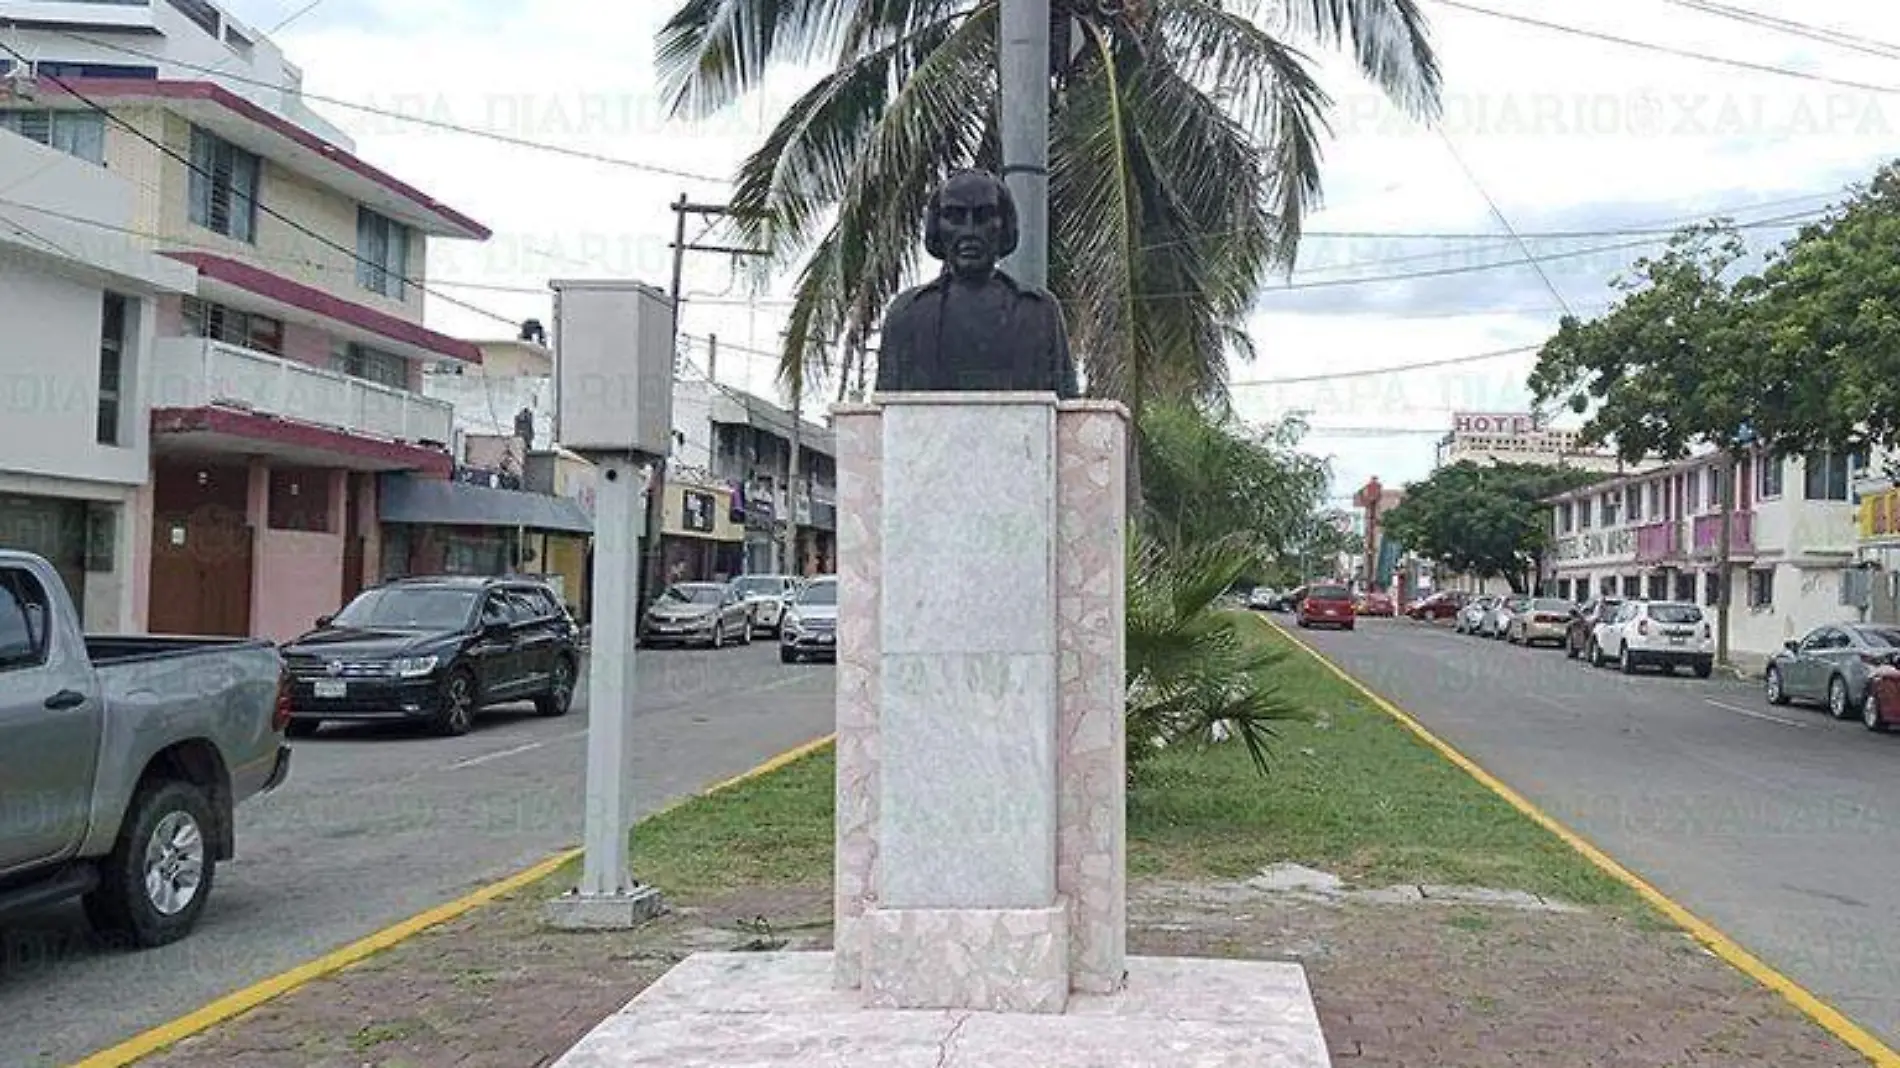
x=1658, y=542
x=1708, y=535
x=191, y=372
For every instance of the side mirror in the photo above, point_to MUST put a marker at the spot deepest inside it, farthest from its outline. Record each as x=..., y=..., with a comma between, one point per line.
x=324, y=621
x=1791, y=645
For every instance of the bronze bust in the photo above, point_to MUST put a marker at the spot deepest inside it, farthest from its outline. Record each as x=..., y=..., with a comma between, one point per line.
x=974, y=328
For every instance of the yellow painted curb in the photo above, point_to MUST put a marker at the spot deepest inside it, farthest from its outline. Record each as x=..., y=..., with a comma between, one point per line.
x=1718, y=943
x=242, y=1001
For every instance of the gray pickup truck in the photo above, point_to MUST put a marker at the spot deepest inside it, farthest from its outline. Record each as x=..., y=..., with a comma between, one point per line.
x=122, y=758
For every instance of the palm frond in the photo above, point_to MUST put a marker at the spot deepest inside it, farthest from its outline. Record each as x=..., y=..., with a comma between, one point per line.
x=711, y=52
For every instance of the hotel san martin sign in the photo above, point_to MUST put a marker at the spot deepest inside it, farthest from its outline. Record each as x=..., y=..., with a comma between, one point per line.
x=1596, y=545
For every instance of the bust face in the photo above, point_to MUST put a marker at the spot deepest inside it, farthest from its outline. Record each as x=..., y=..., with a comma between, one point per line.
x=970, y=218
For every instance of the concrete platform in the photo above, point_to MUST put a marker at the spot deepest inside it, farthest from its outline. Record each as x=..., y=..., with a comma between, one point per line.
x=749, y=1010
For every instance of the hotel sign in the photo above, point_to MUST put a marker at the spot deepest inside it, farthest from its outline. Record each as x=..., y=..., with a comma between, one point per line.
x=1516, y=424
x=1596, y=545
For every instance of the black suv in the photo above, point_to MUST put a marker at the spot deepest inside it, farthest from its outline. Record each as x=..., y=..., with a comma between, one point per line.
x=436, y=650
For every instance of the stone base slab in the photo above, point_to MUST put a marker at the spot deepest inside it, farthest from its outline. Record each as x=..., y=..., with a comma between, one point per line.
x=753, y=1010
x=575, y=911
x=994, y=960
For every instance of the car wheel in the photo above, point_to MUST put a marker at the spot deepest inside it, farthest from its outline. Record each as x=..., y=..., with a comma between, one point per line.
x=1870, y=716
x=154, y=884
x=1570, y=649
x=302, y=728
x=457, y=714
x=1626, y=661
x=1594, y=653
x=786, y=656
x=745, y=634
x=1837, y=705
x=719, y=635
x=1777, y=694
x=560, y=695
x=1704, y=669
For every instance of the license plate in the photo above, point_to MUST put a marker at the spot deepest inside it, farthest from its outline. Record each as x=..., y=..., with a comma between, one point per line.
x=331, y=688
x=1677, y=639
x=824, y=639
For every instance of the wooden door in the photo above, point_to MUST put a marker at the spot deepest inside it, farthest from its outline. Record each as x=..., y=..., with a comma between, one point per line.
x=202, y=550
x=353, y=538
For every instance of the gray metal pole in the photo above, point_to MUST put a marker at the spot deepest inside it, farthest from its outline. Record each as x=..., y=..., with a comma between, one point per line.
x=1023, y=80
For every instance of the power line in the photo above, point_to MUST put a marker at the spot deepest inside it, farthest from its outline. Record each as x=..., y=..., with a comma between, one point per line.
x=1681, y=53
x=255, y=202
x=419, y=120
x=1420, y=365
x=1852, y=41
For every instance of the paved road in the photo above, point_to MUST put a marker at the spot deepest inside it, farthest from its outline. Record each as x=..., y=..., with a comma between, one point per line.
x=376, y=825
x=1777, y=825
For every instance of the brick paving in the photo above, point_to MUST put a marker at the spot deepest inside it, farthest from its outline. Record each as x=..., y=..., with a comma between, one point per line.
x=1398, y=986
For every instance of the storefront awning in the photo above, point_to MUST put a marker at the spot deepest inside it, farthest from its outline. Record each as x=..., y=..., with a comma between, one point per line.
x=441, y=502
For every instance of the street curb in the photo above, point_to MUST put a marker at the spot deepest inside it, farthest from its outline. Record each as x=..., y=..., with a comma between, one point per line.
x=244, y=1000
x=1829, y=1018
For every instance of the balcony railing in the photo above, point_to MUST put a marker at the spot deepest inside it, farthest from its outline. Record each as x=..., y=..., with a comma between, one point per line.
x=1708, y=534
x=1658, y=542
x=194, y=372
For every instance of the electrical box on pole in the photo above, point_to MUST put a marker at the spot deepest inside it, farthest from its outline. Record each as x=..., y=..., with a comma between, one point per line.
x=613, y=381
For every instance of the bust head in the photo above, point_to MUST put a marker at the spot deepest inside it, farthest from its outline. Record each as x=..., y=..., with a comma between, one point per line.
x=971, y=223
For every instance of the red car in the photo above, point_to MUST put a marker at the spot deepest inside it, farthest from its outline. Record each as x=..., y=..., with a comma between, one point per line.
x=1378, y=604
x=1327, y=605
x=1441, y=605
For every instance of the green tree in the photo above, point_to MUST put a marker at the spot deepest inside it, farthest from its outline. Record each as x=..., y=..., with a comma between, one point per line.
x=1207, y=477
x=1185, y=147
x=1676, y=363
x=1825, y=314
x=1483, y=520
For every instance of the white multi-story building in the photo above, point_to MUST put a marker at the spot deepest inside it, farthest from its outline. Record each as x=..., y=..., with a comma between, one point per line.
x=1518, y=438
x=1657, y=535
x=172, y=40
x=78, y=314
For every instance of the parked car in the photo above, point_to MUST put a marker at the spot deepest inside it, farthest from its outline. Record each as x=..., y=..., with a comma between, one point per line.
x=766, y=596
x=1544, y=619
x=1445, y=604
x=811, y=623
x=1288, y=600
x=1583, y=624
x=1378, y=603
x=122, y=759
x=1471, y=616
x=1262, y=598
x=1667, y=634
x=1833, y=665
x=1327, y=605
x=697, y=613
x=1497, y=620
x=435, y=651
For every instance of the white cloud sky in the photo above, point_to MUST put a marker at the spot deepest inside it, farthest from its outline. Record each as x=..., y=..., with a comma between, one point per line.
x=1562, y=133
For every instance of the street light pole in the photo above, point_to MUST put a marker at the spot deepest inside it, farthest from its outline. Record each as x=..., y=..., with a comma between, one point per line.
x=1023, y=78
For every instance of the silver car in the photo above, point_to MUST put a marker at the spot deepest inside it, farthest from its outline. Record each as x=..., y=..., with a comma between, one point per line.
x=810, y=629
x=1497, y=621
x=697, y=613
x=1831, y=666
x=766, y=596
x=1472, y=615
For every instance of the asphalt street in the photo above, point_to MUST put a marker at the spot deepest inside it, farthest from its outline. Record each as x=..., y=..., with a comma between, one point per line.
x=378, y=824
x=1775, y=824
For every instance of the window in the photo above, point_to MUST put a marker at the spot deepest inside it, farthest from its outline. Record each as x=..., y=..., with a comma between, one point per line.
x=371, y=365
x=199, y=12
x=1685, y=587
x=131, y=71
x=233, y=327
x=1583, y=514
x=1632, y=585
x=1761, y=587
x=1768, y=483
x=1656, y=500
x=1711, y=589
x=112, y=349
x=299, y=499
x=1608, y=502
x=24, y=615
x=496, y=612
x=76, y=133
x=1633, y=502
x=1826, y=477
x=1565, y=518
x=224, y=182
x=1563, y=588
x=1676, y=614
x=382, y=254
x=1692, y=491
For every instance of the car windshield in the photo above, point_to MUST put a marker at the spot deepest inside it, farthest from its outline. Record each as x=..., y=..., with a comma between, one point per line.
x=1516, y=602
x=1328, y=593
x=1675, y=613
x=819, y=593
x=1879, y=636
x=1551, y=604
x=754, y=585
x=695, y=593
x=409, y=608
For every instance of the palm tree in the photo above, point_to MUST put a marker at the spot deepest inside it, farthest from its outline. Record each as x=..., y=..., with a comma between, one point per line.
x=1185, y=144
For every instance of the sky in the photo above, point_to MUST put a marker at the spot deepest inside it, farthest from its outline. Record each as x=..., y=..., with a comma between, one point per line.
x=1549, y=131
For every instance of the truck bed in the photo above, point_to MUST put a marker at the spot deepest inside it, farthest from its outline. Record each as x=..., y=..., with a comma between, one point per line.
x=107, y=649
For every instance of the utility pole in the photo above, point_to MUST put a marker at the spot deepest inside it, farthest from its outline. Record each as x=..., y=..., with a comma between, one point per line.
x=1023, y=78
x=1723, y=555
x=793, y=491
x=653, y=580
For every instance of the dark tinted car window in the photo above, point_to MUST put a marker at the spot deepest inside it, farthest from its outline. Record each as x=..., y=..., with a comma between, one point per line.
x=1880, y=637
x=820, y=593
x=1328, y=593
x=409, y=607
x=23, y=616
x=1675, y=613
